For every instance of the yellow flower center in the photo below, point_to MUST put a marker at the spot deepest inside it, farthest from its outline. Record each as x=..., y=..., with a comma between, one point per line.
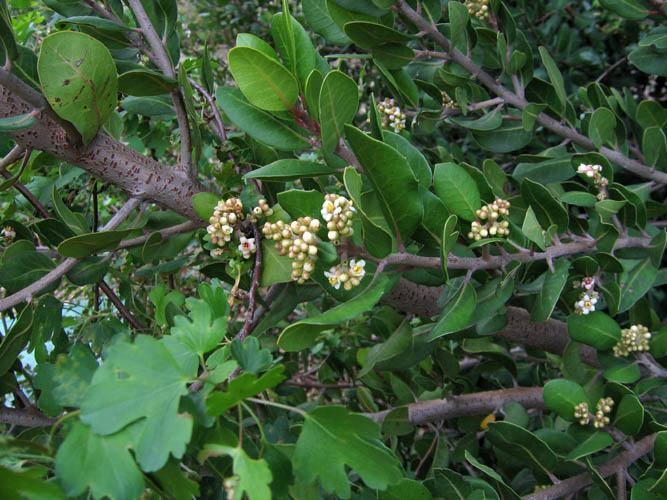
x=333, y=280
x=357, y=269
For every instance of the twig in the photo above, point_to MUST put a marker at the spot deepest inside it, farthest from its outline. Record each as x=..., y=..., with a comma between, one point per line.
x=120, y=306
x=25, y=417
x=578, y=483
x=253, y=286
x=480, y=403
x=317, y=385
x=34, y=288
x=346, y=154
x=511, y=98
x=24, y=190
x=162, y=60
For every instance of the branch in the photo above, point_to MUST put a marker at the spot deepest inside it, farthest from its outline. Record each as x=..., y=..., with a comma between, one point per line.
x=480, y=403
x=518, y=102
x=163, y=61
x=120, y=306
x=20, y=187
x=24, y=418
x=106, y=158
x=34, y=288
x=577, y=483
x=257, y=271
x=499, y=261
x=550, y=336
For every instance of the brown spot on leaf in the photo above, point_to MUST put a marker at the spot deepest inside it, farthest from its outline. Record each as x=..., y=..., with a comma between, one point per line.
x=66, y=82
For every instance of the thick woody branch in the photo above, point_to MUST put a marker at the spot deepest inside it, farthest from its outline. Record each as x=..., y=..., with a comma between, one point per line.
x=24, y=418
x=480, y=403
x=578, y=483
x=106, y=158
x=550, y=336
x=520, y=103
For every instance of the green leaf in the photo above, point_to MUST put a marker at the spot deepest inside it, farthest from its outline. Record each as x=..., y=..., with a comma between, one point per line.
x=637, y=283
x=148, y=106
x=17, y=122
x=78, y=77
x=595, y=329
x=550, y=291
x=629, y=416
x=393, y=55
x=289, y=170
x=407, y=488
x=251, y=358
x=199, y=332
x=204, y=204
x=547, y=210
x=67, y=216
x=332, y=438
x=505, y=490
x=207, y=71
x=297, y=50
x=265, y=82
x=102, y=463
x=660, y=448
x=370, y=35
x=25, y=483
x=458, y=21
x=562, y=396
x=89, y=271
x=545, y=172
x=648, y=60
x=7, y=36
x=376, y=238
x=532, y=230
x=449, y=237
x=338, y=102
x=302, y=334
x=242, y=387
x=140, y=395
x=456, y=314
x=578, y=199
x=299, y=203
x=275, y=268
x=21, y=270
x=87, y=244
x=523, y=445
x=73, y=375
x=487, y=122
x=312, y=93
x=254, y=42
x=654, y=146
x=597, y=441
x=192, y=113
x=457, y=190
x=629, y=9
x=530, y=114
x=16, y=339
x=650, y=113
x=143, y=82
x=318, y=18
x=254, y=475
x=510, y=136
x=392, y=178
x=602, y=128
x=554, y=75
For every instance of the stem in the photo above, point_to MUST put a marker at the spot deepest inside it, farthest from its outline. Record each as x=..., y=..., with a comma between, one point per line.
x=253, y=286
x=277, y=405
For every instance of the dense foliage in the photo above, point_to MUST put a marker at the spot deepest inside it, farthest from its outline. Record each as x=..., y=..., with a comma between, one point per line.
x=363, y=249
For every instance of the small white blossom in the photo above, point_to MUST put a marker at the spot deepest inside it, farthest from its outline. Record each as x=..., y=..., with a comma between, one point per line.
x=332, y=275
x=586, y=304
x=357, y=268
x=247, y=246
x=226, y=232
x=329, y=209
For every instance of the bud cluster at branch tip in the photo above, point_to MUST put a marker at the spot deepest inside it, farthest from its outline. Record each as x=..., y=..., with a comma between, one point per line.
x=492, y=227
x=594, y=172
x=349, y=274
x=600, y=419
x=634, y=339
x=226, y=221
x=8, y=234
x=393, y=116
x=478, y=8
x=337, y=211
x=447, y=102
x=298, y=240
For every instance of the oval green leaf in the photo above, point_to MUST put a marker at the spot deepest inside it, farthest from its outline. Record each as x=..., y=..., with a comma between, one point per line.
x=595, y=329
x=457, y=190
x=562, y=396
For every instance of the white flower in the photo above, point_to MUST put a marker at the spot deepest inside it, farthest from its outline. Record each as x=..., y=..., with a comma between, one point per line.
x=247, y=247
x=226, y=232
x=589, y=170
x=588, y=282
x=586, y=304
x=357, y=268
x=329, y=210
x=332, y=276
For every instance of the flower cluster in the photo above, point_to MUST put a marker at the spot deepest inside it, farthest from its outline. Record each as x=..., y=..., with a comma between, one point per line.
x=447, y=102
x=226, y=215
x=262, y=208
x=337, y=212
x=348, y=274
x=600, y=419
x=478, y=8
x=594, y=172
x=492, y=227
x=393, y=117
x=8, y=234
x=635, y=338
x=298, y=241
x=588, y=298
